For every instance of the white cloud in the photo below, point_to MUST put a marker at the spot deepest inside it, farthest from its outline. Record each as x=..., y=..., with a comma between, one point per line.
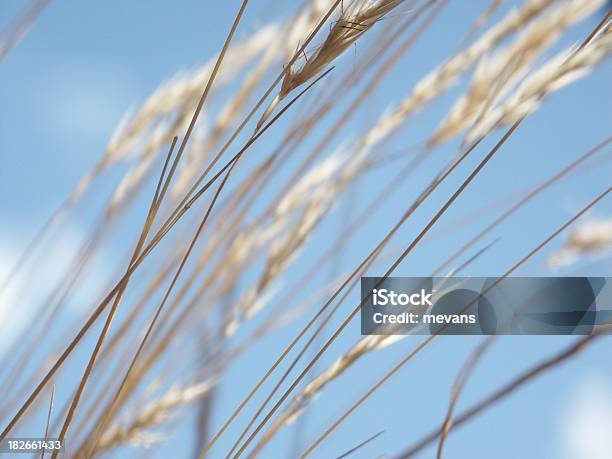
x=586, y=430
x=9, y=295
x=31, y=288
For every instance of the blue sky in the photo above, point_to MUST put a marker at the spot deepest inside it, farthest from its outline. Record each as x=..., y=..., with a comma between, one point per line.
x=65, y=87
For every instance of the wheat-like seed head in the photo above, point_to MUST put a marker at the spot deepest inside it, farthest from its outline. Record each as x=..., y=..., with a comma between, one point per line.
x=561, y=70
x=294, y=410
x=351, y=25
x=287, y=38
x=184, y=89
x=364, y=346
x=152, y=415
x=593, y=237
x=445, y=76
x=295, y=219
x=497, y=74
x=138, y=130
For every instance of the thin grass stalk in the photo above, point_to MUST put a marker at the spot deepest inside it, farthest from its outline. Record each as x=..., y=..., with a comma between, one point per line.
x=363, y=94
x=161, y=233
x=263, y=441
x=522, y=202
x=341, y=365
x=356, y=448
x=389, y=271
x=42, y=453
x=511, y=63
x=305, y=329
x=503, y=392
x=124, y=136
x=154, y=207
x=177, y=214
x=462, y=378
x=480, y=22
x=375, y=79
x=184, y=260
x=423, y=344
x=110, y=410
x=16, y=30
x=351, y=25
x=445, y=76
x=303, y=127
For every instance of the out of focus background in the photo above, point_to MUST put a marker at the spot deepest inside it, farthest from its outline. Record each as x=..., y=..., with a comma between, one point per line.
x=81, y=69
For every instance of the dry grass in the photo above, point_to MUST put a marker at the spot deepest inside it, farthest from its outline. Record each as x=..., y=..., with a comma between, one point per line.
x=360, y=17
x=590, y=239
x=138, y=430
x=212, y=268
x=510, y=65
